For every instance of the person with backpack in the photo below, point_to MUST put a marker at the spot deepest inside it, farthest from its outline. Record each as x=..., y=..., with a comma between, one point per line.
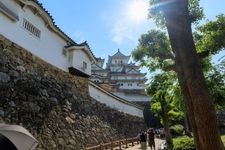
x=142, y=138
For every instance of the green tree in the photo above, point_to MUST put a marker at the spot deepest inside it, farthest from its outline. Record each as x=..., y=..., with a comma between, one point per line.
x=162, y=100
x=216, y=83
x=209, y=38
x=155, y=57
x=178, y=25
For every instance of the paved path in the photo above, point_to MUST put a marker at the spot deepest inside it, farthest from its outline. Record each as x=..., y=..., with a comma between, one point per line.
x=157, y=145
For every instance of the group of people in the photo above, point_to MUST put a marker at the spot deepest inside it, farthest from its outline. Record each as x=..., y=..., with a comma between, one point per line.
x=147, y=137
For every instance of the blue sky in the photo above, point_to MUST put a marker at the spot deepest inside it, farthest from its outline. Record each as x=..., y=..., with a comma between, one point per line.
x=110, y=24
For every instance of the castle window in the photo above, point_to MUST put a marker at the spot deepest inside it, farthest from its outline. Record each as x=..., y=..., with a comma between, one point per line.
x=129, y=84
x=31, y=28
x=84, y=65
x=70, y=59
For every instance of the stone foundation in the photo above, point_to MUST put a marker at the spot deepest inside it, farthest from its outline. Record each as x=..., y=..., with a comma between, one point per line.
x=54, y=105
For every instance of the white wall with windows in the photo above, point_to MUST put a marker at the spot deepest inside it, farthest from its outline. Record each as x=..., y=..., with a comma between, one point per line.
x=131, y=85
x=31, y=28
x=43, y=43
x=81, y=61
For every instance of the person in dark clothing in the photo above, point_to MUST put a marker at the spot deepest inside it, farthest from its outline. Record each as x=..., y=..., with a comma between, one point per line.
x=142, y=138
x=151, y=138
x=6, y=144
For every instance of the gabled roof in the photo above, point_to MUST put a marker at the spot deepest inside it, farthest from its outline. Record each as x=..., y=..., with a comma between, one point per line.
x=118, y=55
x=99, y=59
x=132, y=69
x=84, y=46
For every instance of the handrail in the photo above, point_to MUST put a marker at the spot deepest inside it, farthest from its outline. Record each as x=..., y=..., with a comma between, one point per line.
x=114, y=144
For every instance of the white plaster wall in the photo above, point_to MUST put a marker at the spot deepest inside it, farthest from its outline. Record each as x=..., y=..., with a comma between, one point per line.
x=134, y=97
x=11, y=5
x=113, y=102
x=79, y=56
x=135, y=85
x=49, y=47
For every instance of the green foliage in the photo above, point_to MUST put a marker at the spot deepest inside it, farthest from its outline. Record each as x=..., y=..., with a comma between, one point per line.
x=155, y=53
x=223, y=139
x=195, y=11
x=176, y=114
x=210, y=36
x=153, y=50
x=216, y=83
x=177, y=130
x=187, y=143
x=165, y=98
x=183, y=143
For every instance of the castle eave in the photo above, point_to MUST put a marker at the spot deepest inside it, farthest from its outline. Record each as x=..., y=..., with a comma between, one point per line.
x=77, y=72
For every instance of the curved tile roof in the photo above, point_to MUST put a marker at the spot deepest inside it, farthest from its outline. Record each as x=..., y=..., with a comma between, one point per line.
x=119, y=54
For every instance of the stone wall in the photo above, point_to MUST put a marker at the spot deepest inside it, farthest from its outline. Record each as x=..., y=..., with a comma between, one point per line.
x=54, y=105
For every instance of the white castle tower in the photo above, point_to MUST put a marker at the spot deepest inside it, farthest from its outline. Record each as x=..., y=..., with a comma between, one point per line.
x=120, y=77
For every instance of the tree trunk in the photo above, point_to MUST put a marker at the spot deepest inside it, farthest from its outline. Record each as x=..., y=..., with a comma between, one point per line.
x=188, y=103
x=179, y=29
x=165, y=121
x=187, y=129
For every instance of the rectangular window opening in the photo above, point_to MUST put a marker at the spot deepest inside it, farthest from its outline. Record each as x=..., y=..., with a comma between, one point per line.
x=84, y=65
x=31, y=28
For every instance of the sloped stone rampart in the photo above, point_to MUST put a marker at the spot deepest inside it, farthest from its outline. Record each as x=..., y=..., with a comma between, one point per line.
x=54, y=105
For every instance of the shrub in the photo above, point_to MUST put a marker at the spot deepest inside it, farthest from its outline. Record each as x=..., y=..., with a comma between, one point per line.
x=183, y=143
x=177, y=130
x=223, y=139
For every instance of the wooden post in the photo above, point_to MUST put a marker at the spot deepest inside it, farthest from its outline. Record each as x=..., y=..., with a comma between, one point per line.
x=120, y=145
x=100, y=147
x=112, y=145
x=126, y=143
x=132, y=142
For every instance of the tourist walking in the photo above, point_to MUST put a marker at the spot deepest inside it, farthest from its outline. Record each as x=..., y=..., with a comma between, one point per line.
x=142, y=138
x=151, y=138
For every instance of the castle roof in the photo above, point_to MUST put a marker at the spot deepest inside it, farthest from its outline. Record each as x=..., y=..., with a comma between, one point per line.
x=84, y=45
x=118, y=54
x=99, y=59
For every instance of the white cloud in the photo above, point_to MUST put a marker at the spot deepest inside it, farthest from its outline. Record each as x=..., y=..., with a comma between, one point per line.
x=130, y=22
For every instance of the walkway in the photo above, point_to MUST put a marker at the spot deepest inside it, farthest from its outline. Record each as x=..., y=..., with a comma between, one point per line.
x=157, y=145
